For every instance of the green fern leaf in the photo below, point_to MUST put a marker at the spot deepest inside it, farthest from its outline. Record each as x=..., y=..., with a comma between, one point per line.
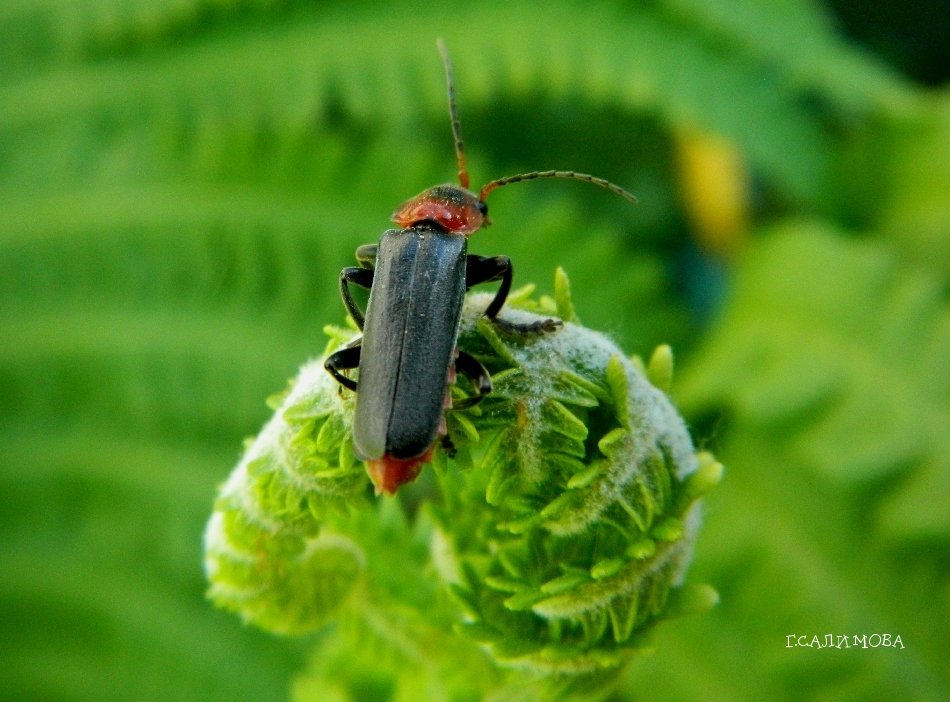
x=848, y=365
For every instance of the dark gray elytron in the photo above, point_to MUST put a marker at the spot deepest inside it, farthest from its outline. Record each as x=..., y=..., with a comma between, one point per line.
x=417, y=279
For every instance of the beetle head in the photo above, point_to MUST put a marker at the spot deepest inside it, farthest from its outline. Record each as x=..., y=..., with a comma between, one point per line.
x=450, y=207
x=455, y=208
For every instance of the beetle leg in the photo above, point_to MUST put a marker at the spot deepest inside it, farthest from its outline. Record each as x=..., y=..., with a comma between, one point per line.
x=484, y=269
x=362, y=276
x=358, y=276
x=472, y=368
x=366, y=255
x=344, y=359
x=448, y=446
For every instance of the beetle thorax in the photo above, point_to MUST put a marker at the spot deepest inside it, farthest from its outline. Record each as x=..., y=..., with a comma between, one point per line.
x=450, y=207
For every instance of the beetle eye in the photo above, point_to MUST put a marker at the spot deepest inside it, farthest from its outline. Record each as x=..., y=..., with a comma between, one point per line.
x=482, y=208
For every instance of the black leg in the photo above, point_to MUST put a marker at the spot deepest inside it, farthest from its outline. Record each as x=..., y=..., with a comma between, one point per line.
x=485, y=269
x=344, y=359
x=471, y=367
x=366, y=255
x=448, y=446
x=358, y=276
x=482, y=269
x=362, y=276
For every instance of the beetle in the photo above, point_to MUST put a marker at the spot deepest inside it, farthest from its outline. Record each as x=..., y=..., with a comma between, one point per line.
x=417, y=276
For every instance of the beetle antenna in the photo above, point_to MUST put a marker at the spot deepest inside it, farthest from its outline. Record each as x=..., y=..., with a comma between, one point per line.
x=453, y=113
x=488, y=187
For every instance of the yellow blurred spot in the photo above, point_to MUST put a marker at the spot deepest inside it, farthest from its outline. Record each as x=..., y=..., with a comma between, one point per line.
x=714, y=185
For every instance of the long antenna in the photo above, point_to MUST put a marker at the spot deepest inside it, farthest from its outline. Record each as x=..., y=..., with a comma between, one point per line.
x=488, y=187
x=453, y=113
x=464, y=179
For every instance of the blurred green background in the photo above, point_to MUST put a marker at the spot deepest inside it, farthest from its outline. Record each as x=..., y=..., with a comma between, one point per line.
x=180, y=183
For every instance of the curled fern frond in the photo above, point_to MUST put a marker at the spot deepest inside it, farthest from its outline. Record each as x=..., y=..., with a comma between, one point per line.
x=560, y=530
x=268, y=551
x=589, y=482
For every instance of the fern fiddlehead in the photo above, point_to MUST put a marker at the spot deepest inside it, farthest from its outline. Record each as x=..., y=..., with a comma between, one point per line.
x=554, y=538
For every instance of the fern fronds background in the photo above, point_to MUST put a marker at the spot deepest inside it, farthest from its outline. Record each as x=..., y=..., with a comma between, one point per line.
x=180, y=184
